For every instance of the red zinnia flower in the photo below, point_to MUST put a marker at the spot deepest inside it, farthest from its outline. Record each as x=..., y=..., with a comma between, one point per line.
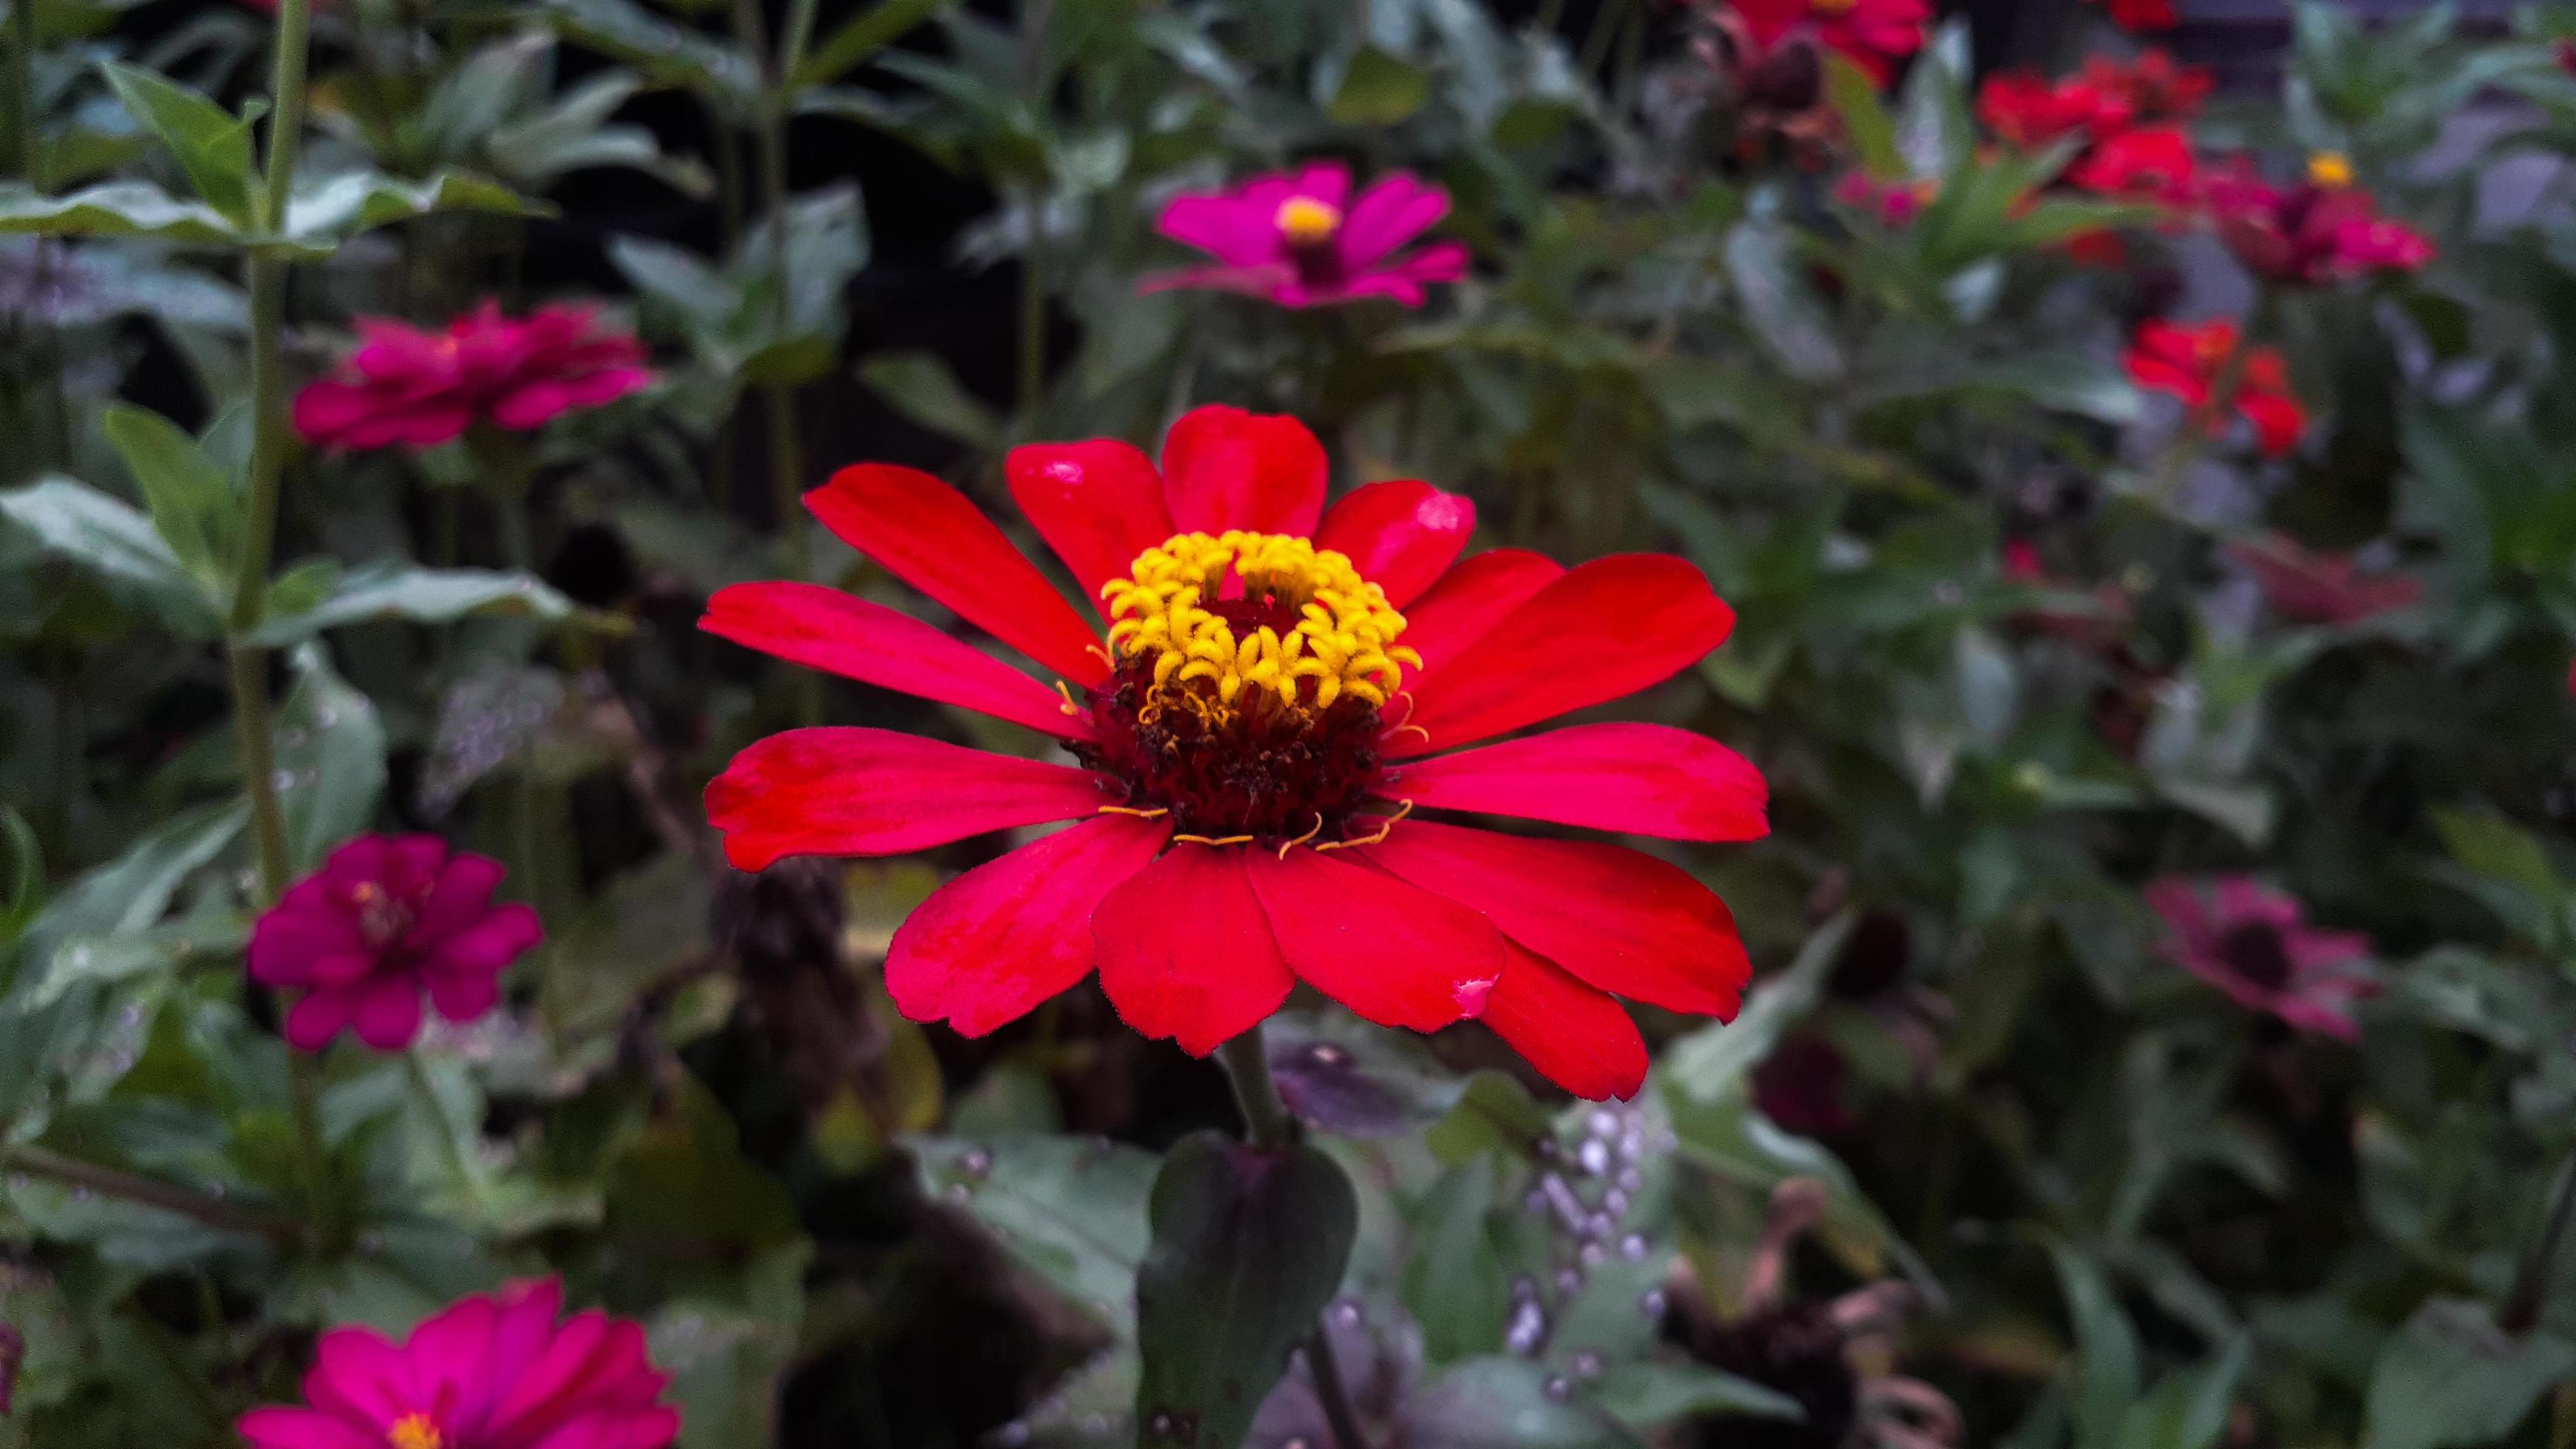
x=2323, y=230
x=492, y=1371
x=2319, y=588
x=2155, y=88
x=419, y=389
x=2030, y=112
x=1875, y=35
x=2255, y=944
x=385, y=919
x=1301, y=241
x=1251, y=739
x=2137, y=15
x=2190, y=361
x=2155, y=164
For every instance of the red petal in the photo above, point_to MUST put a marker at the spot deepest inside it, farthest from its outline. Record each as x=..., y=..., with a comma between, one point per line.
x=936, y=541
x=1644, y=778
x=990, y=945
x=845, y=791
x=1472, y=598
x=1608, y=628
x=1627, y=923
x=1402, y=536
x=1185, y=951
x=1396, y=955
x=1097, y=504
x=827, y=629
x=1226, y=468
x=1581, y=1039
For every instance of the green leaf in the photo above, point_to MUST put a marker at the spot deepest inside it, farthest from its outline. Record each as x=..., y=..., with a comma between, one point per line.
x=1495, y=1114
x=211, y=145
x=26, y=877
x=193, y=501
x=1713, y=1061
x=2107, y=1346
x=117, y=208
x=132, y=891
x=1454, y=1280
x=1780, y=303
x=727, y=1355
x=2451, y=1377
x=860, y=37
x=1934, y=132
x=921, y=387
x=1378, y=89
x=1648, y=1395
x=330, y=759
x=685, y=1179
x=1486, y=1403
x=327, y=211
x=1866, y=123
x=1249, y=1245
x=677, y=278
x=115, y=541
x=2188, y=1410
x=1070, y=1209
x=400, y=589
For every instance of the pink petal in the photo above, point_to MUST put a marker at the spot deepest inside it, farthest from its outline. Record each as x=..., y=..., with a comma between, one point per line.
x=826, y=629
x=461, y=897
x=929, y=536
x=1579, y=1038
x=990, y=945
x=1471, y=599
x=1200, y=975
x=303, y=1429
x=1626, y=923
x=1097, y=504
x=853, y=791
x=1394, y=210
x=388, y=1013
x=1396, y=955
x=1606, y=629
x=1401, y=536
x=487, y=947
x=360, y=1376
x=1225, y=468
x=320, y=1016
x=288, y=943
x=1641, y=778
x=1236, y=231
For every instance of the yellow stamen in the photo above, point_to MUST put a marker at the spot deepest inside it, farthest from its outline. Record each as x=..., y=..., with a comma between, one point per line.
x=415, y=1431
x=1157, y=813
x=1307, y=221
x=1342, y=642
x=1213, y=839
x=1385, y=828
x=2330, y=169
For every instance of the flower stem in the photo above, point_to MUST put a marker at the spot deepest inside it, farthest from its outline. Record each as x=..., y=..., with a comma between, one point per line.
x=2520, y=1311
x=1268, y=1126
x=152, y=1192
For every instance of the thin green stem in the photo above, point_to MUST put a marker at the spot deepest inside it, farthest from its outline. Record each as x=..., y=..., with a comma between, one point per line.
x=135, y=1187
x=2520, y=1312
x=1330, y=1393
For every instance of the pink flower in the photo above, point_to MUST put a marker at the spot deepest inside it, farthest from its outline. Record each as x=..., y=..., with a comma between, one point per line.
x=2319, y=588
x=385, y=919
x=1301, y=241
x=492, y=1371
x=1876, y=35
x=419, y=389
x=2323, y=230
x=1892, y=203
x=2138, y=15
x=2254, y=944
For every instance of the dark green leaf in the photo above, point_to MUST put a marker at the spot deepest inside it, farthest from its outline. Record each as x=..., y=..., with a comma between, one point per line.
x=1249, y=1246
x=1871, y=131
x=1494, y=1114
x=1071, y=1209
x=398, y=589
x=117, y=208
x=1649, y=1395
x=212, y=146
x=1379, y=89
x=193, y=501
x=2453, y=1378
x=1454, y=1282
x=860, y=37
x=330, y=759
x=115, y=541
x=1486, y=1403
x=922, y=388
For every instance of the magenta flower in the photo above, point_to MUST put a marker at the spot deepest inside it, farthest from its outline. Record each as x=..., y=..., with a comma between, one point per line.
x=492, y=1371
x=420, y=389
x=2254, y=943
x=1301, y=241
x=2320, y=588
x=385, y=919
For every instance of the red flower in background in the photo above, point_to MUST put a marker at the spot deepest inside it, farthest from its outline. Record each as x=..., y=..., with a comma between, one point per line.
x=1301, y=241
x=1253, y=735
x=1889, y=203
x=2191, y=361
x=1876, y=35
x=2323, y=230
x=2156, y=90
x=386, y=919
x=2255, y=944
x=2155, y=164
x=419, y=389
x=2319, y=588
x=2029, y=111
x=2138, y=15
x=493, y=1371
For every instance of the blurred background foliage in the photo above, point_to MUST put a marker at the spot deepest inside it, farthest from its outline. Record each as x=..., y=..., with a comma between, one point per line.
x=2002, y=655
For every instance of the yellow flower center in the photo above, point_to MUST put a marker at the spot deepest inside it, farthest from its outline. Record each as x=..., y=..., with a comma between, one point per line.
x=1308, y=221
x=415, y=1431
x=2330, y=169
x=1260, y=611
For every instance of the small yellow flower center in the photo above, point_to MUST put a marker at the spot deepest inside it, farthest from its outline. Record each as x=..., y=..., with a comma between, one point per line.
x=2330, y=169
x=415, y=1431
x=1308, y=221
x=1260, y=611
